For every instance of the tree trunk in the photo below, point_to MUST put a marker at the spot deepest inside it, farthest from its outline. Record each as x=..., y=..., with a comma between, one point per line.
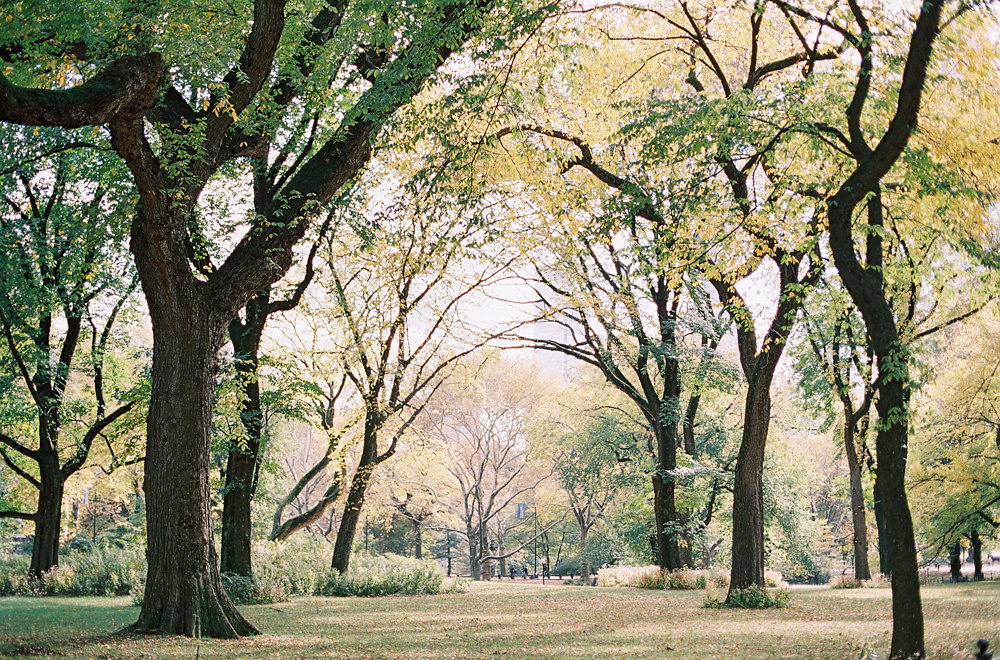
x=664, y=426
x=502, y=562
x=242, y=465
x=356, y=496
x=977, y=555
x=748, y=488
x=184, y=594
x=884, y=558
x=474, y=568
x=665, y=512
x=48, y=517
x=418, y=544
x=955, y=561
x=858, y=517
x=584, y=559
x=867, y=288
x=907, y=611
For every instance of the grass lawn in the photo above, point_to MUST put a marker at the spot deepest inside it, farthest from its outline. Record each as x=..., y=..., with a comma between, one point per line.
x=522, y=621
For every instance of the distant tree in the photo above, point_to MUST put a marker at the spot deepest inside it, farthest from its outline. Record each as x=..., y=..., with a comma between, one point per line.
x=589, y=466
x=956, y=471
x=836, y=359
x=481, y=422
x=62, y=257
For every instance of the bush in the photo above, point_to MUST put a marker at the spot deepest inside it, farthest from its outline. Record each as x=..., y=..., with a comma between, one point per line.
x=244, y=590
x=384, y=576
x=296, y=564
x=567, y=566
x=95, y=572
x=642, y=577
x=844, y=582
x=850, y=582
x=751, y=598
x=651, y=577
x=773, y=579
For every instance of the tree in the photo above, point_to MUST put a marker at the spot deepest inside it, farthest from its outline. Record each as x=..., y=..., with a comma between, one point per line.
x=266, y=67
x=245, y=456
x=61, y=252
x=956, y=450
x=838, y=361
x=865, y=282
x=620, y=312
x=590, y=470
x=711, y=174
x=481, y=422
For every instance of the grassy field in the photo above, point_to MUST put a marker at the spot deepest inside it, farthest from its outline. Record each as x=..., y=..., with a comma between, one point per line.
x=522, y=621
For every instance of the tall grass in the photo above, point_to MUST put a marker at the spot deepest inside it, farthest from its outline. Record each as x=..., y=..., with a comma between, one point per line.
x=381, y=576
x=94, y=572
x=653, y=577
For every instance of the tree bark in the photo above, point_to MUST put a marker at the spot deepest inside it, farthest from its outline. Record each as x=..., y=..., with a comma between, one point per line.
x=356, y=495
x=474, y=554
x=884, y=558
x=955, y=561
x=866, y=286
x=665, y=422
x=584, y=559
x=418, y=542
x=184, y=594
x=665, y=513
x=977, y=555
x=858, y=513
x=48, y=517
x=748, y=488
x=243, y=463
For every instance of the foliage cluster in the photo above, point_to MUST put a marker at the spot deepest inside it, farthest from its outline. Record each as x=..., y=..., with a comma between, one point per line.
x=751, y=598
x=878, y=581
x=386, y=575
x=653, y=577
x=95, y=572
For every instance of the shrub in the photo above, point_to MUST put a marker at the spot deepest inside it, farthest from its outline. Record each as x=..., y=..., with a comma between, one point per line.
x=718, y=578
x=94, y=572
x=643, y=577
x=567, y=566
x=296, y=564
x=849, y=582
x=651, y=577
x=844, y=582
x=774, y=579
x=383, y=576
x=244, y=590
x=751, y=598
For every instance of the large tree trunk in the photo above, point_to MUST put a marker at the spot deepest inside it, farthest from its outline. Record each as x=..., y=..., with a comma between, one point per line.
x=475, y=570
x=184, y=593
x=418, y=541
x=858, y=517
x=584, y=559
x=48, y=517
x=243, y=463
x=748, y=488
x=665, y=512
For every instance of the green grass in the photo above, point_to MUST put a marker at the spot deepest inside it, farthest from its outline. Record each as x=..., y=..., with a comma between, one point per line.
x=522, y=621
